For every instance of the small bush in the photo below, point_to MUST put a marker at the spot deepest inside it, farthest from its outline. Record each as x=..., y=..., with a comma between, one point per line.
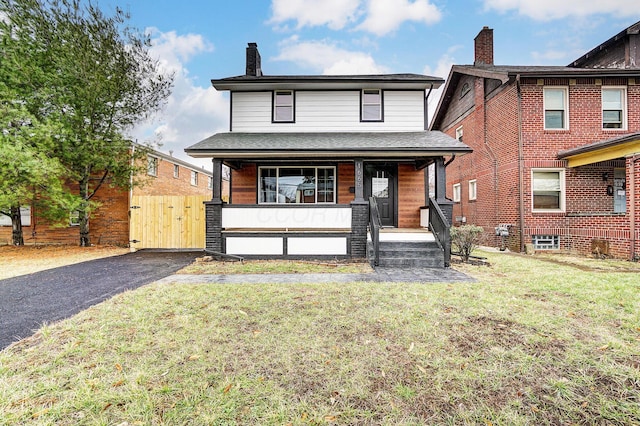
x=466, y=239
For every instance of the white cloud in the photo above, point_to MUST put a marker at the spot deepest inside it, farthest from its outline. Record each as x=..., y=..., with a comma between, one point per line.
x=333, y=13
x=327, y=58
x=192, y=112
x=385, y=16
x=546, y=10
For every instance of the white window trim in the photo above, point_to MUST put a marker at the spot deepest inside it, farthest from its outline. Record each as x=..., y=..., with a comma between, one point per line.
x=473, y=193
x=566, y=108
x=176, y=171
x=194, y=178
x=363, y=103
x=155, y=161
x=277, y=168
x=209, y=182
x=625, y=112
x=563, y=190
x=459, y=133
x=457, y=192
x=292, y=105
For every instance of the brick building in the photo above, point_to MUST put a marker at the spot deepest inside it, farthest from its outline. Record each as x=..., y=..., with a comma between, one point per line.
x=110, y=223
x=555, y=148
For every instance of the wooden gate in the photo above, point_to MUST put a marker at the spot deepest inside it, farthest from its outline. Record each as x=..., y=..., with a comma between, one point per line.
x=175, y=222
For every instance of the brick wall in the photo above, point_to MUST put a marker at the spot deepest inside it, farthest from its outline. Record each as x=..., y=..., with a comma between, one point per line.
x=164, y=183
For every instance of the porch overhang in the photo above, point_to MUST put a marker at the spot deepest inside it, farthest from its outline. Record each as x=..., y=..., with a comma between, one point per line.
x=610, y=149
x=322, y=146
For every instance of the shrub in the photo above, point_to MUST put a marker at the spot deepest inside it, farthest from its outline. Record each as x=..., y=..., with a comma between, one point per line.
x=465, y=239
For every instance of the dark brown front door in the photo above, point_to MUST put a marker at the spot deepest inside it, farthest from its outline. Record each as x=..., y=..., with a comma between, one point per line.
x=380, y=183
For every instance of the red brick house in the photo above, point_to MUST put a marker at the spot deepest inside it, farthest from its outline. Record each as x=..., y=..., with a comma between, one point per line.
x=110, y=223
x=310, y=154
x=555, y=148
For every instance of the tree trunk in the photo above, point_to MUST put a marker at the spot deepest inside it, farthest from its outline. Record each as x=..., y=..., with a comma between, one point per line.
x=16, y=223
x=84, y=214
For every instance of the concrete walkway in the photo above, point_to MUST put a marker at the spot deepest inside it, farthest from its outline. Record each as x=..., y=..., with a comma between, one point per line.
x=380, y=275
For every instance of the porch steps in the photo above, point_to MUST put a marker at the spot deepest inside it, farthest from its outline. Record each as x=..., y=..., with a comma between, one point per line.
x=408, y=254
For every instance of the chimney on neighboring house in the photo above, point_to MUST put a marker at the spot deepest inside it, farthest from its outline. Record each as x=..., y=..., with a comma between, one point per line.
x=484, y=47
x=253, y=60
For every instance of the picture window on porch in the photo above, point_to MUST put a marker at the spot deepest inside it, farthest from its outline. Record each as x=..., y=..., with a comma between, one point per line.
x=556, y=108
x=371, y=109
x=548, y=190
x=283, y=106
x=613, y=108
x=296, y=185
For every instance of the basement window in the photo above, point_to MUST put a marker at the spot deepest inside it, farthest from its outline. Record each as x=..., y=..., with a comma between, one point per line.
x=546, y=242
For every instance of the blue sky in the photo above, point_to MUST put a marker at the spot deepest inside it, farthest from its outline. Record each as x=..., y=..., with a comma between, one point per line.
x=200, y=40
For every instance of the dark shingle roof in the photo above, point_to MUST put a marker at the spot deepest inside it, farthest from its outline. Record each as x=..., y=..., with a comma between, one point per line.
x=314, y=145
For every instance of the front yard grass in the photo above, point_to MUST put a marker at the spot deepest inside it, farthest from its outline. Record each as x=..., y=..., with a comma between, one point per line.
x=202, y=266
x=530, y=343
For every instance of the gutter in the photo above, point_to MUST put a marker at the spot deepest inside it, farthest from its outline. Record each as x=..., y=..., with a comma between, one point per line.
x=520, y=165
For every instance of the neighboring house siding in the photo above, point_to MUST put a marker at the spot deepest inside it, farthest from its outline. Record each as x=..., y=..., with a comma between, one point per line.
x=329, y=111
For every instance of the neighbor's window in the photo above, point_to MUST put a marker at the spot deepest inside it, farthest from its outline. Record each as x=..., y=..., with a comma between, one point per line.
x=283, y=106
x=548, y=189
x=556, y=108
x=371, y=105
x=209, y=182
x=472, y=190
x=546, y=242
x=456, y=192
x=152, y=166
x=614, y=108
x=297, y=185
x=176, y=171
x=25, y=217
x=74, y=218
x=194, y=178
x=459, y=133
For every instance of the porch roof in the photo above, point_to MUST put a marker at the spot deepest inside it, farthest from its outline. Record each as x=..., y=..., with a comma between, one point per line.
x=234, y=145
x=596, y=152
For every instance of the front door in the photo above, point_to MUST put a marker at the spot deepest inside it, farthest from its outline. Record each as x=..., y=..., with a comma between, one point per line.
x=380, y=183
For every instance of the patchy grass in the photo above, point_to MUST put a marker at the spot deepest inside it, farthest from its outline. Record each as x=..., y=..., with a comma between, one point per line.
x=203, y=266
x=24, y=260
x=590, y=263
x=530, y=343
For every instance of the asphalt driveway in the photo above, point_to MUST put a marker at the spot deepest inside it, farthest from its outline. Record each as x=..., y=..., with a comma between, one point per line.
x=28, y=301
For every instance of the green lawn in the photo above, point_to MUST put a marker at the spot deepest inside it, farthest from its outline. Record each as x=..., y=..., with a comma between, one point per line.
x=532, y=342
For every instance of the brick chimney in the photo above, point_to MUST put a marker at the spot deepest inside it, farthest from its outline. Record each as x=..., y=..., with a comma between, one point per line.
x=484, y=47
x=253, y=60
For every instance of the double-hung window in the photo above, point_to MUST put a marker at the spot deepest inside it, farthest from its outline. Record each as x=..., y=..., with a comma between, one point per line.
x=152, y=166
x=614, y=113
x=371, y=107
x=548, y=190
x=456, y=192
x=556, y=108
x=283, y=106
x=297, y=185
x=473, y=189
x=194, y=178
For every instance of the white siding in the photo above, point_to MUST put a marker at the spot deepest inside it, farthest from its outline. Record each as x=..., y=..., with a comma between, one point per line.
x=287, y=218
x=330, y=111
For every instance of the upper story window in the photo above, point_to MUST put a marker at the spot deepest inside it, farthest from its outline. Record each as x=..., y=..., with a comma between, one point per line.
x=614, y=114
x=548, y=190
x=371, y=108
x=176, y=171
x=464, y=90
x=209, y=182
x=456, y=192
x=473, y=189
x=194, y=178
x=459, y=133
x=556, y=108
x=297, y=185
x=283, y=106
x=152, y=166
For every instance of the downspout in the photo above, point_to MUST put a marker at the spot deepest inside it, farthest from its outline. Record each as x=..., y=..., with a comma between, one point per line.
x=632, y=205
x=133, y=152
x=492, y=155
x=520, y=165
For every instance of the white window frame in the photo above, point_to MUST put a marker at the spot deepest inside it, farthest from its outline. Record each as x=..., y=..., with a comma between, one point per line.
x=457, y=192
x=473, y=190
x=563, y=190
x=176, y=171
x=209, y=182
x=316, y=191
x=25, y=217
x=152, y=165
x=291, y=117
x=194, y=178
x=364, y=105
x=623, y=123
x=74, y=218
x=565, y=100
x=459, y=133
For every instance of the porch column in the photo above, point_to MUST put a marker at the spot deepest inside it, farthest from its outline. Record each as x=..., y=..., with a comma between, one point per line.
x=213, y=211
x=359, y=215
x=441, y=190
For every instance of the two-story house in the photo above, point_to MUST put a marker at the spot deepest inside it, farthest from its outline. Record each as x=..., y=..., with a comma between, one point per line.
x=309, y=153
x=555, y=148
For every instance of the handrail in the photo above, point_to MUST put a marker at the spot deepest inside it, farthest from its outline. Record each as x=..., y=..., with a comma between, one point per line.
x=374, y=225
x=439, y=226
